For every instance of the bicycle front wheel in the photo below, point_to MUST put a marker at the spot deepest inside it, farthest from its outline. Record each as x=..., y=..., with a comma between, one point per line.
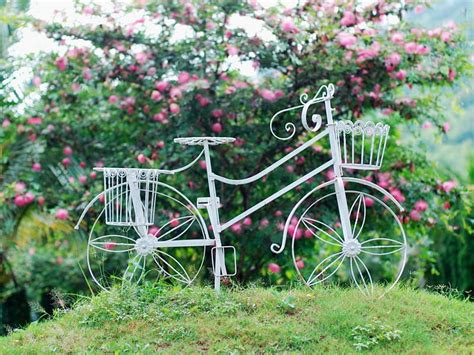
x=376, y=255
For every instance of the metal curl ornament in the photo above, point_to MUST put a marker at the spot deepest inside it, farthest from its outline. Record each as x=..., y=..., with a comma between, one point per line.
x=325, y=92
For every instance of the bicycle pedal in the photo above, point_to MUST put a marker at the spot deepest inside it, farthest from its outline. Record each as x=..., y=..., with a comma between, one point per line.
x=203, y=202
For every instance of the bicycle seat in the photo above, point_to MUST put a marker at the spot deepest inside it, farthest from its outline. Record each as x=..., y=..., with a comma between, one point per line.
x=204, y=140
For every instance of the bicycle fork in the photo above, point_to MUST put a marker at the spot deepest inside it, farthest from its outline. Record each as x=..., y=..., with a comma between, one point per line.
x=339, y=184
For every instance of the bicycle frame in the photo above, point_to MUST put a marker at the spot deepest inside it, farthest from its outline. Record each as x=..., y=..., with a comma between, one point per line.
x=212, y=203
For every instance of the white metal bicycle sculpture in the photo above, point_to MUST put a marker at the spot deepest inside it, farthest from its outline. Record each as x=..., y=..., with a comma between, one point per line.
x=149, y=225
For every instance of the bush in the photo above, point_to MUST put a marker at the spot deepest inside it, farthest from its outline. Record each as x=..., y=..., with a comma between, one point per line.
x=119, y=89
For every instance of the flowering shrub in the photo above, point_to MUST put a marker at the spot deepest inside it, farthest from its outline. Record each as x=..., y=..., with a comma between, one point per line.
x=118, y=92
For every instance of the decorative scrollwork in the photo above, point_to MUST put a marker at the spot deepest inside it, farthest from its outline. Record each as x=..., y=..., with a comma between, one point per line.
x=324, y=93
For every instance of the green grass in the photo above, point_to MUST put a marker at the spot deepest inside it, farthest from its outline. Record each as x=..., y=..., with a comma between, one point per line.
x=253, y=319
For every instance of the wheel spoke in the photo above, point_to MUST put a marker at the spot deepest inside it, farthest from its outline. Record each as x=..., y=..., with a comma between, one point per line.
x=361, y=209
x=136, y=264
x=109, y=244
x=312, y=222
x=313, y=280
x=187, y=223
x=365, y=284
x=181, y=277
x=393, y=246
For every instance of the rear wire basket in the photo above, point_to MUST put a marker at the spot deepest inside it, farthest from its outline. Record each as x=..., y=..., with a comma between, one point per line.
x=362, y=144
x=130, y=196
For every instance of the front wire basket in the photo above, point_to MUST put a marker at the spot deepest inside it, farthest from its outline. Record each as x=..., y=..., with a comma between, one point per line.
x=362, y=144
x=130, y=196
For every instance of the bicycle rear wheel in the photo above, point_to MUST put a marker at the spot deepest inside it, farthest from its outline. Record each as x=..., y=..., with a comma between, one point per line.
x=172, y=249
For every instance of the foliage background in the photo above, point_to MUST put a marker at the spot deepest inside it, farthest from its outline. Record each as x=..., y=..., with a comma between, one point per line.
x=96, y=100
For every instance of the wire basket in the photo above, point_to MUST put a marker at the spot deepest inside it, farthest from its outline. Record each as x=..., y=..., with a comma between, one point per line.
x=362, y=144
x=130, y=196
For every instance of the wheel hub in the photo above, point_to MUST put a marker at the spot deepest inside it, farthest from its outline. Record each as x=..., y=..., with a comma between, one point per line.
x=351, y=248
x=145, y=245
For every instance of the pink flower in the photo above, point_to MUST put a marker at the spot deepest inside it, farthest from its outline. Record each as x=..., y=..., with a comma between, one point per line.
x=61, y=63
x=202, y=164
x=308, y=233
x=299, y=264
x=415, y=215
x=445, y=36
x=247, y=221
x=87, y=74
x=397, y=38
x=175, y=93
x=141, y=158
x=110, y=245
x=346, y=39
x=392, y=61
x=421, y=205
x=75, y=87
x=216, y=127
x=232, y=50
x=397, y=194
x=426, y=125
x=174, y=108
x=217, y=113
x=369, y=202
x=156, y=96
x=203, y=101
x=174, y=222
x=289, y=26
x=184, y=77
x=419, y=9
x=267, y=94
x=153, y=231
x=41, y=200
x=93, y=175
x=82, y=179
x=369, y=53
x=401, y=74
x=161, y=85
x=36, y=167
x=264, y=223
x=451, y=74
x=446, y=127
x=236, y=228
x=348, y=19
x=274, y=268
x=421, y=49
x=67, y=150
x=29, y=197
x=37, y=81
x=330, y=174
x=141, y=58
x=87, y=10
x=71, y=179
x=411, y=47
x=66, y=161
x=59, y=260
x=113, y=99
x=62, y=213
x=20, y=187
x=6, y=122
x=19, y=201
x=447, y=186
x=34, y=120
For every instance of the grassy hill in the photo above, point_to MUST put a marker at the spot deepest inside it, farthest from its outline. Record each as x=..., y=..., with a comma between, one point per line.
x=253, y=320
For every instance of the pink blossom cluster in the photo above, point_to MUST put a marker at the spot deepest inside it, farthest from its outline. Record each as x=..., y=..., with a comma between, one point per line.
x=239, y=227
